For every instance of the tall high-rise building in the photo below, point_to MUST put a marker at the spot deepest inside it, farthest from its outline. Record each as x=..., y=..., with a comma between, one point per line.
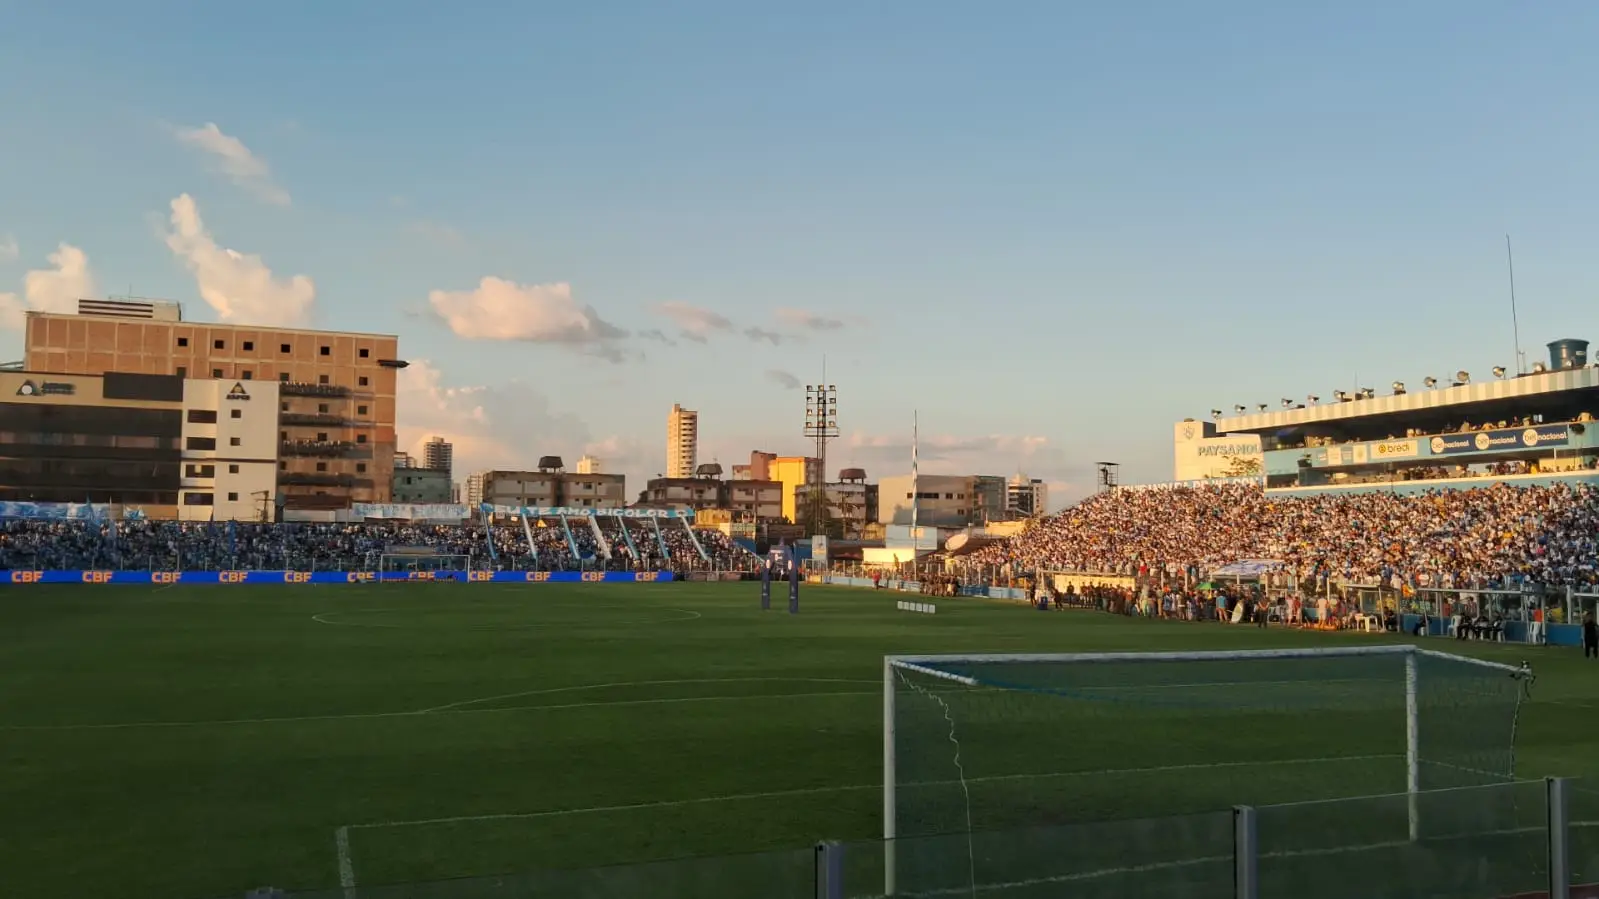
x=438, y=454
x=682, y=442
x=588, y=465
x=1026, y=497
x=335, y=396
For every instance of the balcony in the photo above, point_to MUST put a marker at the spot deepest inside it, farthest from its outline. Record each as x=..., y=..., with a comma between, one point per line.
x=304, y=388
x=311, y=418
x=327, y=449
x=321, y=479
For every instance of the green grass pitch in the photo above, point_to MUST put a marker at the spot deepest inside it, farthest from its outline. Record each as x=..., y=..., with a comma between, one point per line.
x=198, y=741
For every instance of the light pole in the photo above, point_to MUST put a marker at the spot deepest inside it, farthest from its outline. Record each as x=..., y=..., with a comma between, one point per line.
x=821, y=425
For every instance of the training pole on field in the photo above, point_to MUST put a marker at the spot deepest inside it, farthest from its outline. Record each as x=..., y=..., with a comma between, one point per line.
x=793, y=580
x=766, y=583
x=956, y=669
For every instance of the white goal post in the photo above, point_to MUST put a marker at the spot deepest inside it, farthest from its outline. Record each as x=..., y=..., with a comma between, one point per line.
x=971, y=711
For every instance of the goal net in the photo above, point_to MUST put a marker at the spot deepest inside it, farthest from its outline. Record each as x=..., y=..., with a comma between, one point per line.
x=422, y=563
x=986, y=743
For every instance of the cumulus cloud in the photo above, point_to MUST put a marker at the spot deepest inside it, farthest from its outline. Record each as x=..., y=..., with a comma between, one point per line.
x=236, y=161
x=888, y=455
x=782, y=379
x=657, y=335
x=537, y=313
x=9, y=251
x=761, y=335
x=694, y=323
x=54, y=289
x=238, y=286
x=808, y=321
x=505, y=426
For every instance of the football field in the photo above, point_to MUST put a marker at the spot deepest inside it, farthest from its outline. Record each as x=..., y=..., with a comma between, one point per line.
x=194, y=742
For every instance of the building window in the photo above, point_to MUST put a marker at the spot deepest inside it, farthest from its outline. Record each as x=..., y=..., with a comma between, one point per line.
x=233, y=469
x=249, y=345
x=200, y=443
x=193, y=470
x=361, y=381
x=183, y=341
x=202, y=416
x=233, y=441
x=327, y=351
x=235, y=413
x=245, y=374
x=216, y=372
x=360, y=467
x=322, y=408
x=198, y=499
x=283, y=348
x=183, y=371
x=321, y=379
x=360, y=410
x=365, y=352
x=283, y=466
x=283, y=376
x=283, y=407
x=322, y=466
x=283, y=436
x=233, y=497
x=360, y=438
x=219, y=344
x=321, y=437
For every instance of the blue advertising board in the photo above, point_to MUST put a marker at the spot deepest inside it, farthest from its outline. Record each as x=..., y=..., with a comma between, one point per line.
x=332, y=577
x=1507, y=439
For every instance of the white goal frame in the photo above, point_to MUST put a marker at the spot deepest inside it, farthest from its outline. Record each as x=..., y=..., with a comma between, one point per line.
x=919, y=664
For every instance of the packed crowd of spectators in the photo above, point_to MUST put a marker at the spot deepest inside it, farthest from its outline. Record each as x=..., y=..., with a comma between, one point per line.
x=1494, y=535
x=146, y=545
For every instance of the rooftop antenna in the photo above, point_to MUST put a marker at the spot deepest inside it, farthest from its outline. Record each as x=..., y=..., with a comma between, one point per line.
x=1515, y=325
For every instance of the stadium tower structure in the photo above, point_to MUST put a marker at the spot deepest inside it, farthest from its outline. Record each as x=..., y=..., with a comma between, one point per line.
x=1448, y=433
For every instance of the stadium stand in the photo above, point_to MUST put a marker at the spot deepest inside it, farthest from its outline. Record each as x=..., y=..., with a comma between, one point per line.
x=1496, y=535
x=557, y=545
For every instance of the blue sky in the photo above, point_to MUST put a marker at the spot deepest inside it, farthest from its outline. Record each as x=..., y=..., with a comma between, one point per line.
x=1053, y=228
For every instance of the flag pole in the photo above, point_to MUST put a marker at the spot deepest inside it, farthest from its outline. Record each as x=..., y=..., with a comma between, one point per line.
x=916, y=496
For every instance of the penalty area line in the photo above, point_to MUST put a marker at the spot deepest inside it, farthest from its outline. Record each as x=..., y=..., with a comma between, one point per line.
x=816, y=791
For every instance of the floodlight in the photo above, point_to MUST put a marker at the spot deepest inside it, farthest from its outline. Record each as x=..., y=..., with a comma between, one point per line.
x=1499, y=371
x=1399, y=387
x=1430, y=382
x=1463, y=376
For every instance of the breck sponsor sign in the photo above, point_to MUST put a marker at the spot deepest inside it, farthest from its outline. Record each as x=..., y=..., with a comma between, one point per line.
x=1395, y=449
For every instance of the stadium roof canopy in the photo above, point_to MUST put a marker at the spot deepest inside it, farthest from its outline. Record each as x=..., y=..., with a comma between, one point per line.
x=1558, y=395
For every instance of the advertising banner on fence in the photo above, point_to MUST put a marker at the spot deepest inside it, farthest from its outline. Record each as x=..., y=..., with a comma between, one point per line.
x=330, y=577
x=1508, y=439
x=56, y=511
x=412, y=511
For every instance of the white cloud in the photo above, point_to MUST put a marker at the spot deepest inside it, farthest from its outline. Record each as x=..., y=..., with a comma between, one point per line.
x=55, y=289
x=238, y=286
x=537, y=313
x=507, y=426
x=235, y=160
x=888, y=455
x=808, y=321
x=782, y=379
x=761, y=334
x=694, y=322
x=9, y=251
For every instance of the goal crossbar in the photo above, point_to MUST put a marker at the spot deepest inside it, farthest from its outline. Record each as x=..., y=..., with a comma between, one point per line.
x=921, y=662
x=932, y=666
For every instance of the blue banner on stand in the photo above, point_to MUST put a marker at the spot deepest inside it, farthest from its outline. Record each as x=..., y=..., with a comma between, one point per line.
x=331, y=577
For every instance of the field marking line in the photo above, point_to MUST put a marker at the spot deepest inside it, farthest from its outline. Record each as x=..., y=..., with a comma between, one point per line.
x=1219, y=859
x=635, y=622
x=294, y=719
x=341, y=844
x=814, y=791
x=652, y=683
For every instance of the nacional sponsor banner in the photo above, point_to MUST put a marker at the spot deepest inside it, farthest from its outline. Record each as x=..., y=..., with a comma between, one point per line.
x=1507, y=439
x=412, y=511
x=56, y=511
x=330, y=577
x=1194, y=484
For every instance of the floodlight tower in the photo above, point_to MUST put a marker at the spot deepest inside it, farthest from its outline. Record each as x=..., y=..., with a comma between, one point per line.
x=1109, y=475
x=821, y=425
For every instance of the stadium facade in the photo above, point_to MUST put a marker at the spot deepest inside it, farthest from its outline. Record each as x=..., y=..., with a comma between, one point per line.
x=1535, y=427
x=166, y=446
x=335, y=391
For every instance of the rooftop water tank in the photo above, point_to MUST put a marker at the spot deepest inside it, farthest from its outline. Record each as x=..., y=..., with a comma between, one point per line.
x=1567, y=352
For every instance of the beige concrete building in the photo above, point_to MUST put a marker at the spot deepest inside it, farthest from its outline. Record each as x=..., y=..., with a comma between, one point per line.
x=549, y=487
x=335, y=389
x=682, y=442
